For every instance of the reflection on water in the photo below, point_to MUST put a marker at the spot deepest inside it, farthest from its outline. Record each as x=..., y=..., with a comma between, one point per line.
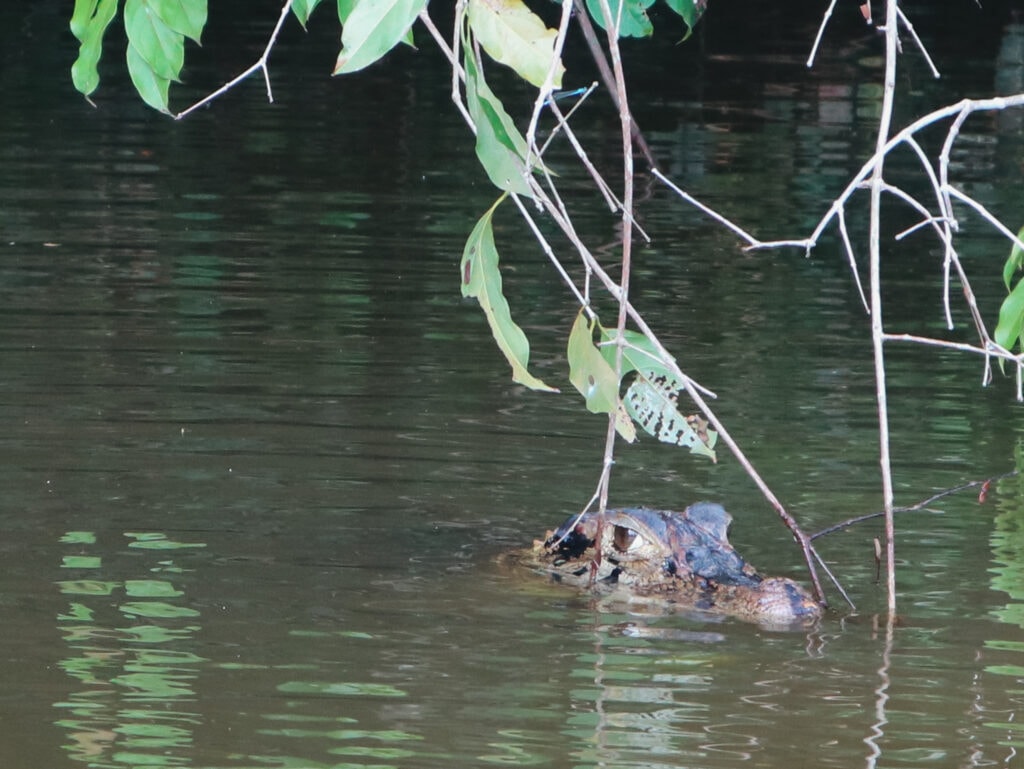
x=1004, y=669
x=136, y=706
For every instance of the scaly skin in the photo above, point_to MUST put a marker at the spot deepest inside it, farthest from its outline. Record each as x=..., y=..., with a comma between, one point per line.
x=684, y=557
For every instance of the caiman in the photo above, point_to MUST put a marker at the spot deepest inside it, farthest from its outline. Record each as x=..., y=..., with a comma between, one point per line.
x=686, y=558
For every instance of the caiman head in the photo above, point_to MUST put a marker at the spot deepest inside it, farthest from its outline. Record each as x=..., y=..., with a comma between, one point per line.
x=687, y=555
x=676, y=544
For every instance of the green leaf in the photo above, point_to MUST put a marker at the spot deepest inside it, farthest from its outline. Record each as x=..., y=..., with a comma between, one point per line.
x=302, y=9
x=345, y=8
x=372, y=28
x=481, y=278
x=513, y=35
x=1015, y=262
x=638, y=354
x=500, y=147
x=690, y=10
x=151, y=87
x=1011, y=318
x=81, y=16
x=187, y=17
x=89, y=21
x=653, y=401
x=634, y=21
x=159, y=46
x=590, y=373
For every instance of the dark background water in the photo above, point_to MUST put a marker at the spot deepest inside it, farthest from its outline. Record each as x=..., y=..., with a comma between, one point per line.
x=258, y=456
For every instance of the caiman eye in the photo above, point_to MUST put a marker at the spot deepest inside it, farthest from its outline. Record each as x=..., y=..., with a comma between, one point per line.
x=625, y=539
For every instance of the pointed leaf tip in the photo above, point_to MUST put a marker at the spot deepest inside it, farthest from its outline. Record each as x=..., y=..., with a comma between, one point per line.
x=481, y=278
x=371, y=29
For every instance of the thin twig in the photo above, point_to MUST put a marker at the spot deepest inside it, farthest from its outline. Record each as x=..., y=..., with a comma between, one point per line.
x=605, y=72
x=549, y=79
x=584, y=303
x=626, y=122
x=613, y=202
x=924, y=503
x=261, y=64
x=920, y=45
x=451, y=53
x=848, y=245
x=457, y=72
x=821, y=33
x=743, y=234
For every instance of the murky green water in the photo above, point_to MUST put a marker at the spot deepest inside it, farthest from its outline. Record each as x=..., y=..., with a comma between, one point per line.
x=258, y=456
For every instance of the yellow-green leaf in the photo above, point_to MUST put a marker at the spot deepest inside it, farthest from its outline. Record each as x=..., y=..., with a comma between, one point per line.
x=513, y=35
x=481, y=279
x=590, y=373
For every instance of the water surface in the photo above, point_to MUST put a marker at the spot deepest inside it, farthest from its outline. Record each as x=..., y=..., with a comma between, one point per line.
x=259, y=456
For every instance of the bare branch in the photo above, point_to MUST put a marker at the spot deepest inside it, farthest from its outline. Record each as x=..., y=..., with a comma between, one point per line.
x=549, y=78
x=877, y=182
x=451, y=53
x=750, y=239
x=260, y=65
x=821, y=32
x=917, y=40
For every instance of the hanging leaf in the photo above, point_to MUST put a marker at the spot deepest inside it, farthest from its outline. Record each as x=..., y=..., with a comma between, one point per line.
x=690, y=10
x=372, y=28
x=156, y=32
x=302, y=9
x=89, y=21
x=1015, y=262
x=1011, y=318
x=187, y=17
x=345, y=9
x=1008, y=331
x=157, y=45
x=500, y=147
x=590, y=373
x=653, y=401
x=513, y=35
x=151, y=87
x=634, y=21
x=481, y=278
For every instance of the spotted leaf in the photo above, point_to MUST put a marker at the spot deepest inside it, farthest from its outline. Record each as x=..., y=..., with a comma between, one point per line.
x=653, y=401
